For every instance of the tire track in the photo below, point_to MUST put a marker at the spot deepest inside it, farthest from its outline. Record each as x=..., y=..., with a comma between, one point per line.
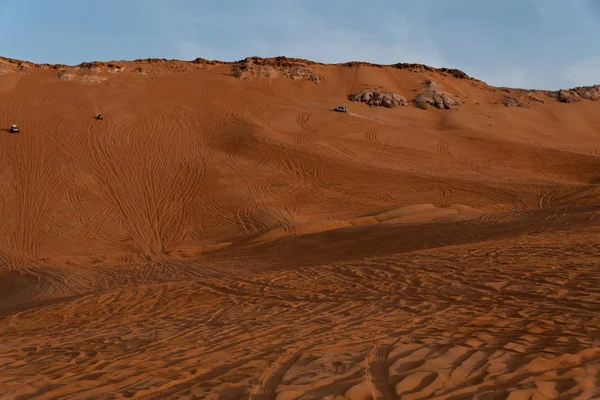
x=378, y=375
x=445, y=195
x=306, y=130
x=509, y=200
x=371, y=135
x=474, y=165
x=271, y=379
x=151, y=179
x=380, y=154
x=546, y=200
x=540, y=161
x=443, y=147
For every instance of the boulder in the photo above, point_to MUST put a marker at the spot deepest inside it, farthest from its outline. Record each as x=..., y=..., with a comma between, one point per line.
x=442, y=101
x=567, y=96
x=450, y=103
x=378, y=98
x=425, y=99
x=435, y=96
x=588, y=92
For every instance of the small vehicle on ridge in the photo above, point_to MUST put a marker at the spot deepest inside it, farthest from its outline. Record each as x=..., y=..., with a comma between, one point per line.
x=14, y=129
x=340, y=109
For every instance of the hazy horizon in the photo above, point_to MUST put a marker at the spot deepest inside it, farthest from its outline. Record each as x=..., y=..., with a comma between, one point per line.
x=511, y=43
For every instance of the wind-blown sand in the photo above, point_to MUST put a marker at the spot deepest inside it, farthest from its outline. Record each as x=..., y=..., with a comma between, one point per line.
x=224, y=238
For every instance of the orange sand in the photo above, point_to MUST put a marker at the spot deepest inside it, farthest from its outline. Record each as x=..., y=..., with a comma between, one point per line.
x=224, y=238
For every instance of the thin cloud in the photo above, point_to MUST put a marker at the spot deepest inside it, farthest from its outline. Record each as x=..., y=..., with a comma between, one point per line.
x=305, y=34
x=526, y=43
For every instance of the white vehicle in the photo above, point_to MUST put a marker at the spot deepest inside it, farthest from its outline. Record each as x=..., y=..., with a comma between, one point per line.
x=14, y=129
x=340, y=109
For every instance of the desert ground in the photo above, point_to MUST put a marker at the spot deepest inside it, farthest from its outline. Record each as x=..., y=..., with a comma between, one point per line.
x=222, y=233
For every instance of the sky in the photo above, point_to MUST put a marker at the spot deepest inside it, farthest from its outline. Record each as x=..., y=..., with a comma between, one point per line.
x=536, y=44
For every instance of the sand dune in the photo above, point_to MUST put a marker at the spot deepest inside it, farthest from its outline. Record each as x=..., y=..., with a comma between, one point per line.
x=224, y=237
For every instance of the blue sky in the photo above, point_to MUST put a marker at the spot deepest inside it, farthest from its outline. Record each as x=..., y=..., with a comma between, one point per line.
x=542, y=44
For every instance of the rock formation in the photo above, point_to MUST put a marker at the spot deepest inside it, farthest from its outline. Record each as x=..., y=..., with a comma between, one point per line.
x=436, y=97
x=576, y=94
x=379, y=98
x=267, y=68
x=510, y=101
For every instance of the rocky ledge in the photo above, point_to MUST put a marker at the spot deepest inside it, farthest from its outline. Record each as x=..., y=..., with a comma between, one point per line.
x=577, y=93
x=261, y=68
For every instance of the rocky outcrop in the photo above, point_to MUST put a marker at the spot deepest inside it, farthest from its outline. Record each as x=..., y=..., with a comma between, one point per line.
x=436, y=100
x=577, y=94
x=518, y=97
x=435, y=96
x=588, y=92
x=378, y=98
x=267, y=68
x=88, y=72
x=65, y=75
x=273, y=62
x=456, y=73
x=509, y=101
x=567, y=96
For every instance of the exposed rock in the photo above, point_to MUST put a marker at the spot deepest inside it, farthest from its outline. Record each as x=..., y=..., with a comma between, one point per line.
x=458, y=74
x=577, y=93
x=379, y=98
x=87, y=74
x=510, y=101
x=92, y=78
x=449, y=102
x=588, y=92
x=568, y=96
x=519, y=97
x=65, y=75
x=300, y=72
x=249, y=71
x=440, y=101
x=204, y=61
x=536, y=99
x=259, y=68
x=433, y=86
x=436, y=97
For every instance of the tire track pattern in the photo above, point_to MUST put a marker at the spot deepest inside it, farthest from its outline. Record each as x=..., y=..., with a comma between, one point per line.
x=377, y=327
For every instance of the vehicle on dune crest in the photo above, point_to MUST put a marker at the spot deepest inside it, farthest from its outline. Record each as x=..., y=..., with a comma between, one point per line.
x=14, y=129
x=340, y=109
x=99, y=116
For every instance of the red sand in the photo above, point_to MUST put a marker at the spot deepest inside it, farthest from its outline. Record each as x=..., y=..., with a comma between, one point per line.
x=226, y=238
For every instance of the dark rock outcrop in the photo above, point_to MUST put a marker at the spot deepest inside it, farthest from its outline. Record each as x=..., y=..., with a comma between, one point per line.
x=568, y=96
x=576, y=94
x=267, y=68
x=436, y=97
x=440, y=101
x=456, y=73
x=509, y=101
x=588, y=92
x=379, y=98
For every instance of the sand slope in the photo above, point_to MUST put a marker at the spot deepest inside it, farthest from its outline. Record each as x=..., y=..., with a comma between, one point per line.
x=227, y=238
